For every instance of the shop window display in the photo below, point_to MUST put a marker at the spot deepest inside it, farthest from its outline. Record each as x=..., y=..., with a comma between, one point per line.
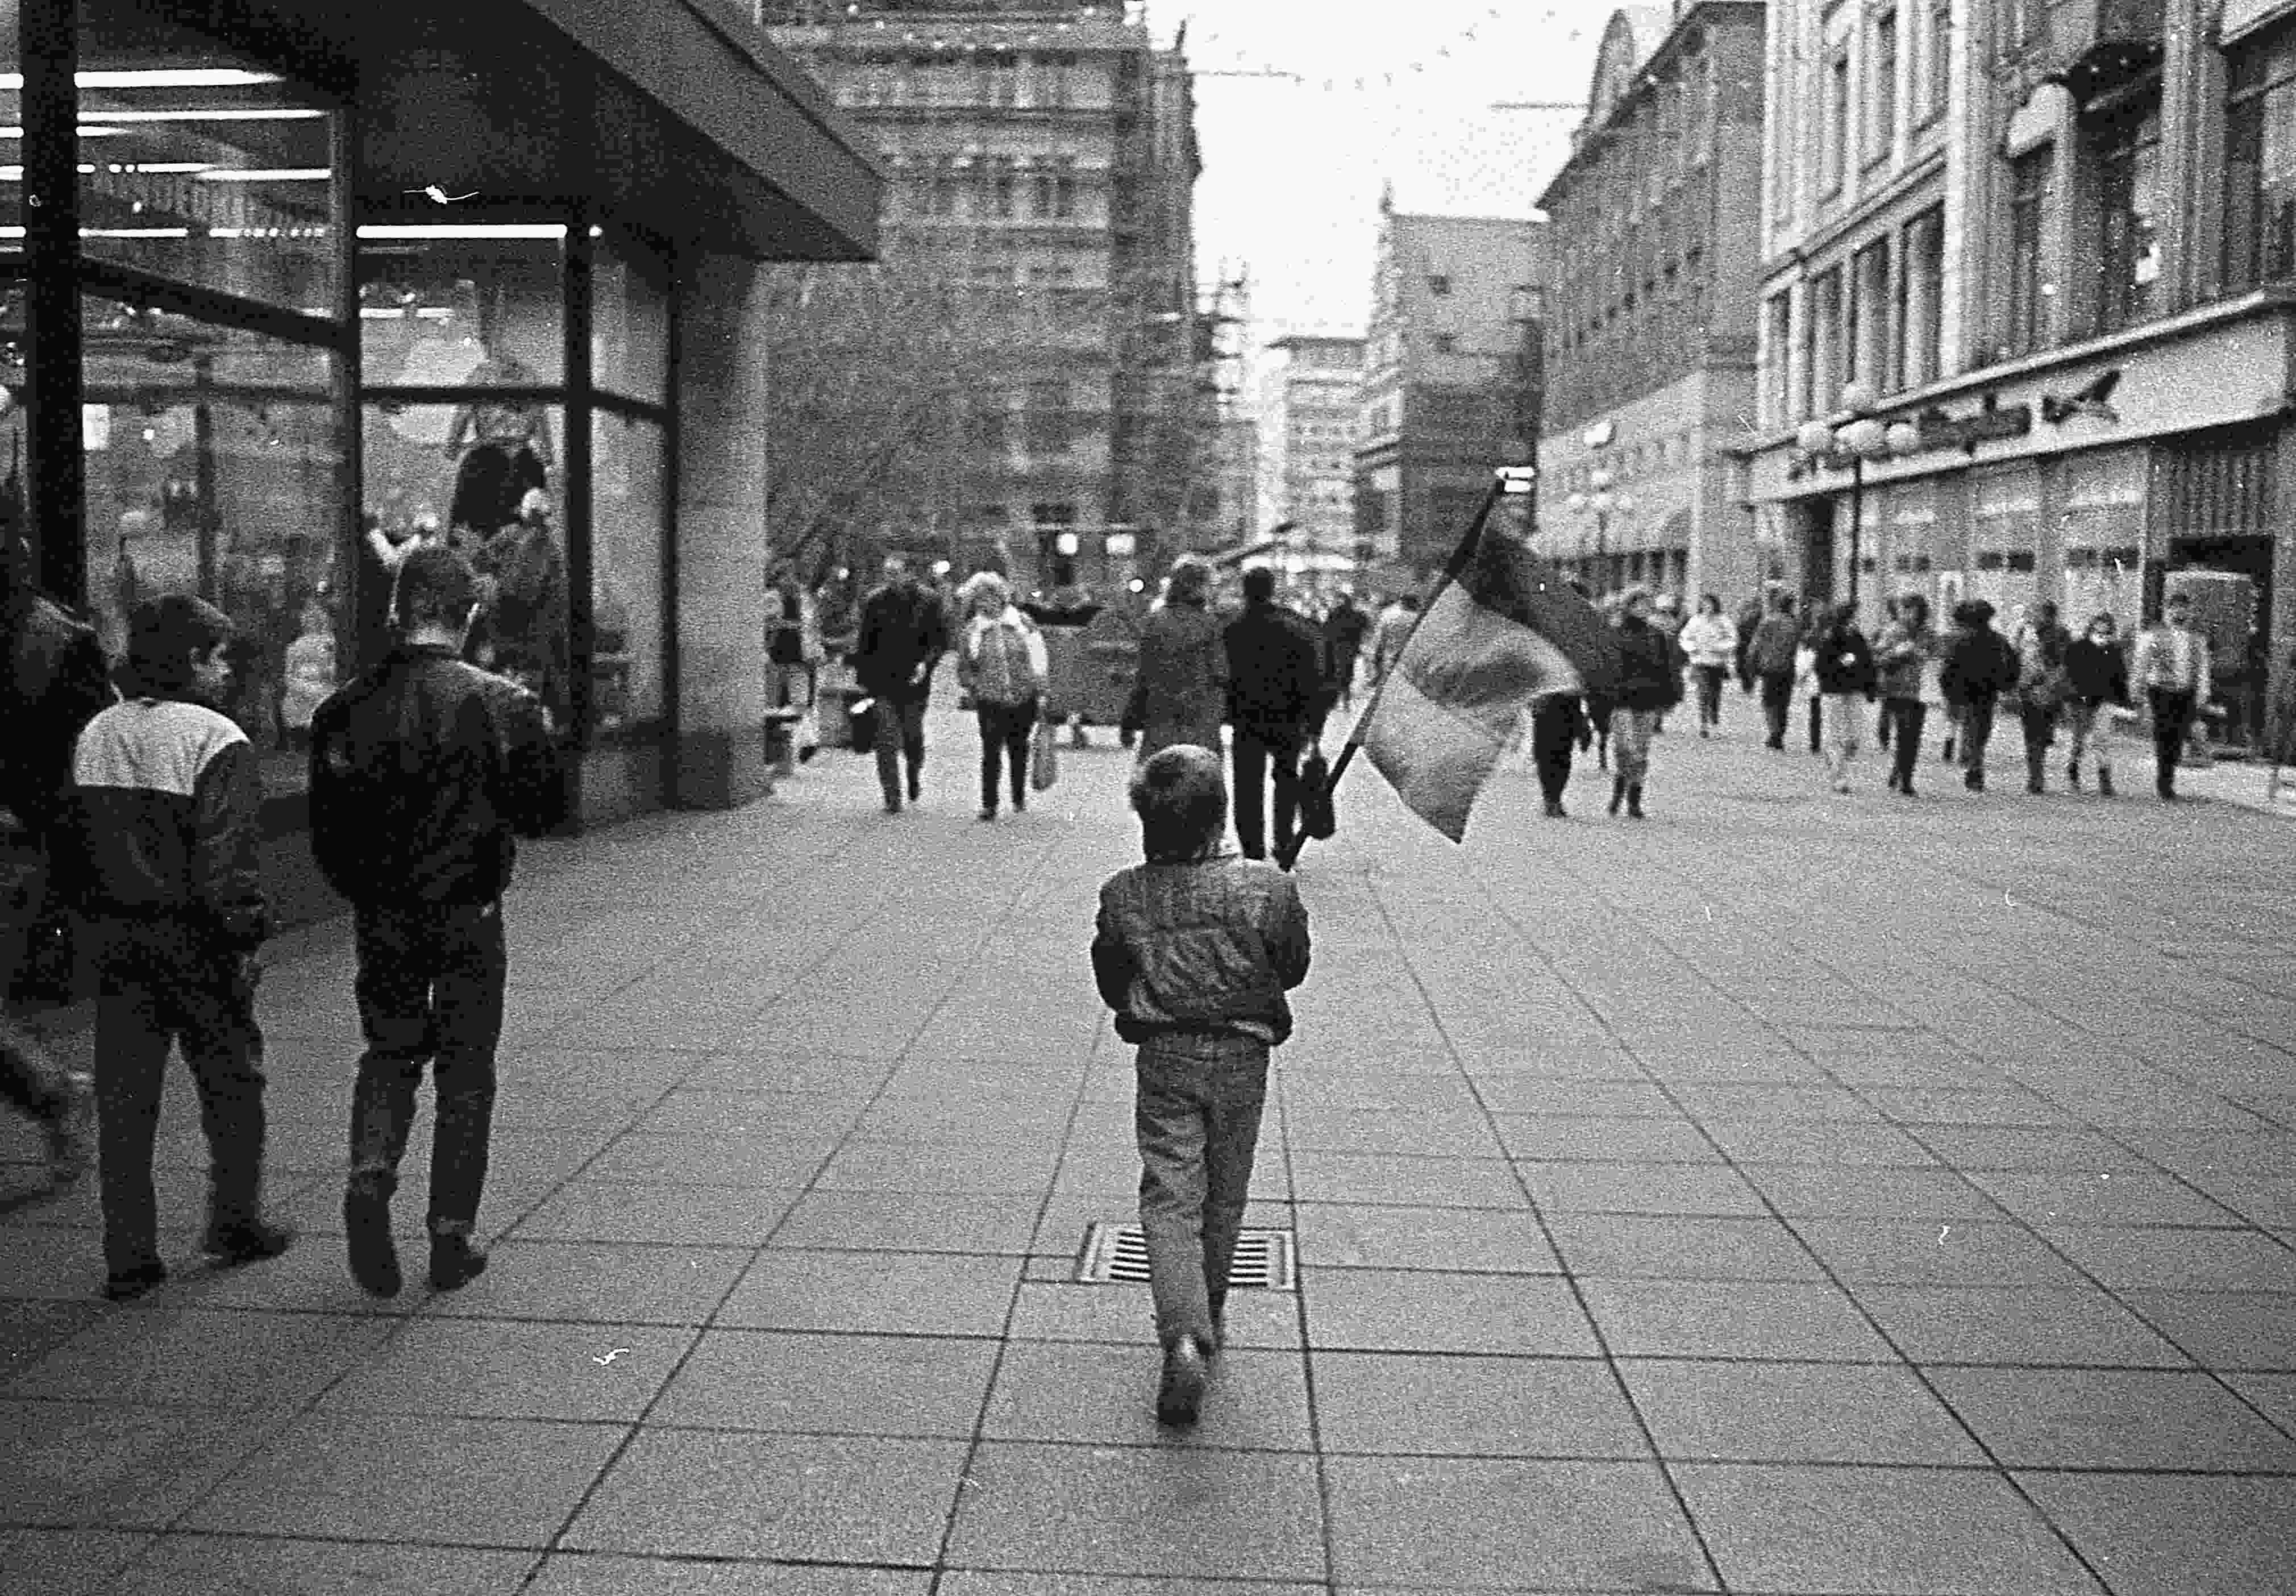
x=626, y=508
x=213, y=467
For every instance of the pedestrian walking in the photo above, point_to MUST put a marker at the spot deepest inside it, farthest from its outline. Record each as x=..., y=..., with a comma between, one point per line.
x=1847, y=682
x=2172, y=665
x=1558, y=725
x=1770, y=656
x=1344, y=630
x=1194, y=951
x=1001, y=660
x=1180, y=692
x=903, y=631
x=1274, y=691
x=1748, y=619
x=2096, y=678
x=168, y=796
x=1650, y=683
x=2041, y=688
x=1395, y=624
x=1813, y=621
x=424, y=771
x=1901, y=659
x=1979, y=666
x=1710, y=640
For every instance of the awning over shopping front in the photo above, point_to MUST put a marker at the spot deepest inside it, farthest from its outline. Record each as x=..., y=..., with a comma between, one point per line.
x=678, y=116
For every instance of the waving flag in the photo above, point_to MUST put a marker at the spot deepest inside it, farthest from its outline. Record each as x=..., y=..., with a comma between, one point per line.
x=1502, y=628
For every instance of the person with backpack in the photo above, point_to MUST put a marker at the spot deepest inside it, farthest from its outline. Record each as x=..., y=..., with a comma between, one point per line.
x=54, y=680
x=2042, y=688
x=1001, y=662
x=1770, y=658
x=1980, y=665
x=424, y=771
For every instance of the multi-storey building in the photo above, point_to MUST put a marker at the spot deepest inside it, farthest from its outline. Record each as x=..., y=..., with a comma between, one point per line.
x=2047, y=254
x=1444, y=393
x=1048, y=146
x=1649, y=320
x=1307, y=412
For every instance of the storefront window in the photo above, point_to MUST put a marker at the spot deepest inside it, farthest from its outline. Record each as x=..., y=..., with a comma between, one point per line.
x=462, y=306
x=206, y=169
x=630, y=340
x=2004, y=533
x=213, y=467
x=627, y=504
x=2104, y=536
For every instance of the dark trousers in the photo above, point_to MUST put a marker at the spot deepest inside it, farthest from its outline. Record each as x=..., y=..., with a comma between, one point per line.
x=1777, y=699
x=1550, y=754
x=901, y=735
x=1976, y=732
x=1197, y=1119
x=429, y=991
x=1903, y=719
x=2040, y=723
x=2172, y=722
x=1817, y=725
x=1254, y=755
x=1710, y=679
x=30, y=1079
x=1005, y=732
x=161, y=985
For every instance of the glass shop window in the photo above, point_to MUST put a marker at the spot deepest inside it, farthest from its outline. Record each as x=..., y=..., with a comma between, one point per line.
x=627, y=506
x=214, y=467
x=454, y=307
x=198, y=165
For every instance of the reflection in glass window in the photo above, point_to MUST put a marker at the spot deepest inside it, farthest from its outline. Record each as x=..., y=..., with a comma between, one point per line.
x=213, y=467
x=627, y=509
x=208, y=169
x=450, y=307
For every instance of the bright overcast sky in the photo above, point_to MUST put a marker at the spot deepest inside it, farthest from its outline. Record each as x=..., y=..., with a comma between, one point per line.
x=1391, y=92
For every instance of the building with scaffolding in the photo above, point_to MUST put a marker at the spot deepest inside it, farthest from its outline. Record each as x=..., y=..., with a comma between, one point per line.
x=1047, y=147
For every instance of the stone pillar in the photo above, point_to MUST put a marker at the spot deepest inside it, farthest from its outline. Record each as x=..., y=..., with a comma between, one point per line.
x=719, y=760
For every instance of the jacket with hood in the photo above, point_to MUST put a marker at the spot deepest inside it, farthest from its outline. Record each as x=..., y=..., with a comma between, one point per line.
x=1650, y=666
x=1002, y=659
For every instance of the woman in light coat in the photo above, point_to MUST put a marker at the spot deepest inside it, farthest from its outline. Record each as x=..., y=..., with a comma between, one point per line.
x=1001, y=662
x=1709, y=638
x=1180, y=695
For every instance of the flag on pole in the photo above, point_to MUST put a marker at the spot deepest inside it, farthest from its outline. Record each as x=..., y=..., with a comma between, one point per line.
x=1502, y=628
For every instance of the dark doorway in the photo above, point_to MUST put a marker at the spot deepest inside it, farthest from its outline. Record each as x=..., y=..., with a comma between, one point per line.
x=2241, y=680
x=1816, y=552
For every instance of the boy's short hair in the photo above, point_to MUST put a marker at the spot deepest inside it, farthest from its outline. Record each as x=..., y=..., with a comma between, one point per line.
x=1260, y=583
x=436, y=587
x=1182, y=801
x=166, y=634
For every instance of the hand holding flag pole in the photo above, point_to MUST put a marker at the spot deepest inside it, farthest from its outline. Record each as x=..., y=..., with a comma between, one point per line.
x=1500, y=628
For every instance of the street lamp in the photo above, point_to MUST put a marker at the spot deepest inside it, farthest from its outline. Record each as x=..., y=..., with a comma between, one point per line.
x=1602, y=502
x=1862, y=436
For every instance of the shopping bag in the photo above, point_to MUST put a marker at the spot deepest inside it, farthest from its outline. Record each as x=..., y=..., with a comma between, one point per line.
x=1318, y=817
x=1044, y=756
x=862, y=716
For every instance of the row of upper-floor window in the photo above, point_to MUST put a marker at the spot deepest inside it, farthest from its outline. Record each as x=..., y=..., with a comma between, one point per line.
x=1000, y=79
x=1875, y=319
x=1882, y=73
x=1625, y=302
x=992, y=187
x=1626, y=462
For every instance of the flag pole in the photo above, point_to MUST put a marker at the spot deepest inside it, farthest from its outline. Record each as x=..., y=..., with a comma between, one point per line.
x=1461, y=557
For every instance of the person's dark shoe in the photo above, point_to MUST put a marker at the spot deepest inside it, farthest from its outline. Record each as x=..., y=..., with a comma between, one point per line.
x=1906, y=787
x=2072, y=776
x=366, y=1239
x=1180, y=1394
x=125, y=1285
x=1635, y=803
x=2104, y=781
x=455, y=1262
x=1975, y=780
x=893, y=804
x=916, y=787
x=1945, y=752
x=1019, y=803
x=250, y=1243
x=1555, y=809
x=1618, y=795
x=988, y=814
x=2034, y=787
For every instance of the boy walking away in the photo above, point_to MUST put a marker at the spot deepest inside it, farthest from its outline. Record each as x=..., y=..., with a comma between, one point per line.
x=423, y=770
x=1194, y=951
x=1980, y=666
x=2096, y=675
x=169, y=794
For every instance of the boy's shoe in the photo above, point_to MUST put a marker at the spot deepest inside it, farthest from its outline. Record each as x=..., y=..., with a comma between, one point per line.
x=988, y=814
x=916, y=789
x=2072, y=776
x=455, y=1262
x=2104, y=781
x=367, y=1235
x=1181, y=1394
x=248, y=1243
x=1554, y=808
x=125, y=1285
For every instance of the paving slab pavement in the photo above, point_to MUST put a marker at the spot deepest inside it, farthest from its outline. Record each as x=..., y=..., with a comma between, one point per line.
x=1790, y=1194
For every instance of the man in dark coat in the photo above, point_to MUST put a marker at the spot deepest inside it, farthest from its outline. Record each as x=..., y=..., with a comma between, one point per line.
x=904, y=632
x=1344, y=630
x=1980, y=665
x=1274, y=690
x=54, y=680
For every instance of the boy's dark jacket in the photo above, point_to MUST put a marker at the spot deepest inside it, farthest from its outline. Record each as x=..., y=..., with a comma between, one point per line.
x=2096, y=672
x=1210, y=945
x=1649, y=667
x=422, y=770
x=1845, y=661
x=1980, y=665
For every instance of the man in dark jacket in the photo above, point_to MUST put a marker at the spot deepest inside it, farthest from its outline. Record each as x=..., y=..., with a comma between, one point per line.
x=423, y=771
x=53, y=682
x=1770, y=660
x=2096, y=678
x=904, y=633
x=168, y=796
x=1980, y=665
x=1650, y=683
x=1274, y=686
x=1344, y=630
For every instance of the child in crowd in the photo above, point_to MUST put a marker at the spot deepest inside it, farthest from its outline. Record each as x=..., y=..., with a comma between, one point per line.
x=1194, y=951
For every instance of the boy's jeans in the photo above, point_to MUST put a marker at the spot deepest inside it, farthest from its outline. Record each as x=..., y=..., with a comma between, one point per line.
x=1197, y=1118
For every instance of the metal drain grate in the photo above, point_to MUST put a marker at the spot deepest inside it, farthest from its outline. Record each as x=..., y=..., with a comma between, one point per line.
x=1114, y=1253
